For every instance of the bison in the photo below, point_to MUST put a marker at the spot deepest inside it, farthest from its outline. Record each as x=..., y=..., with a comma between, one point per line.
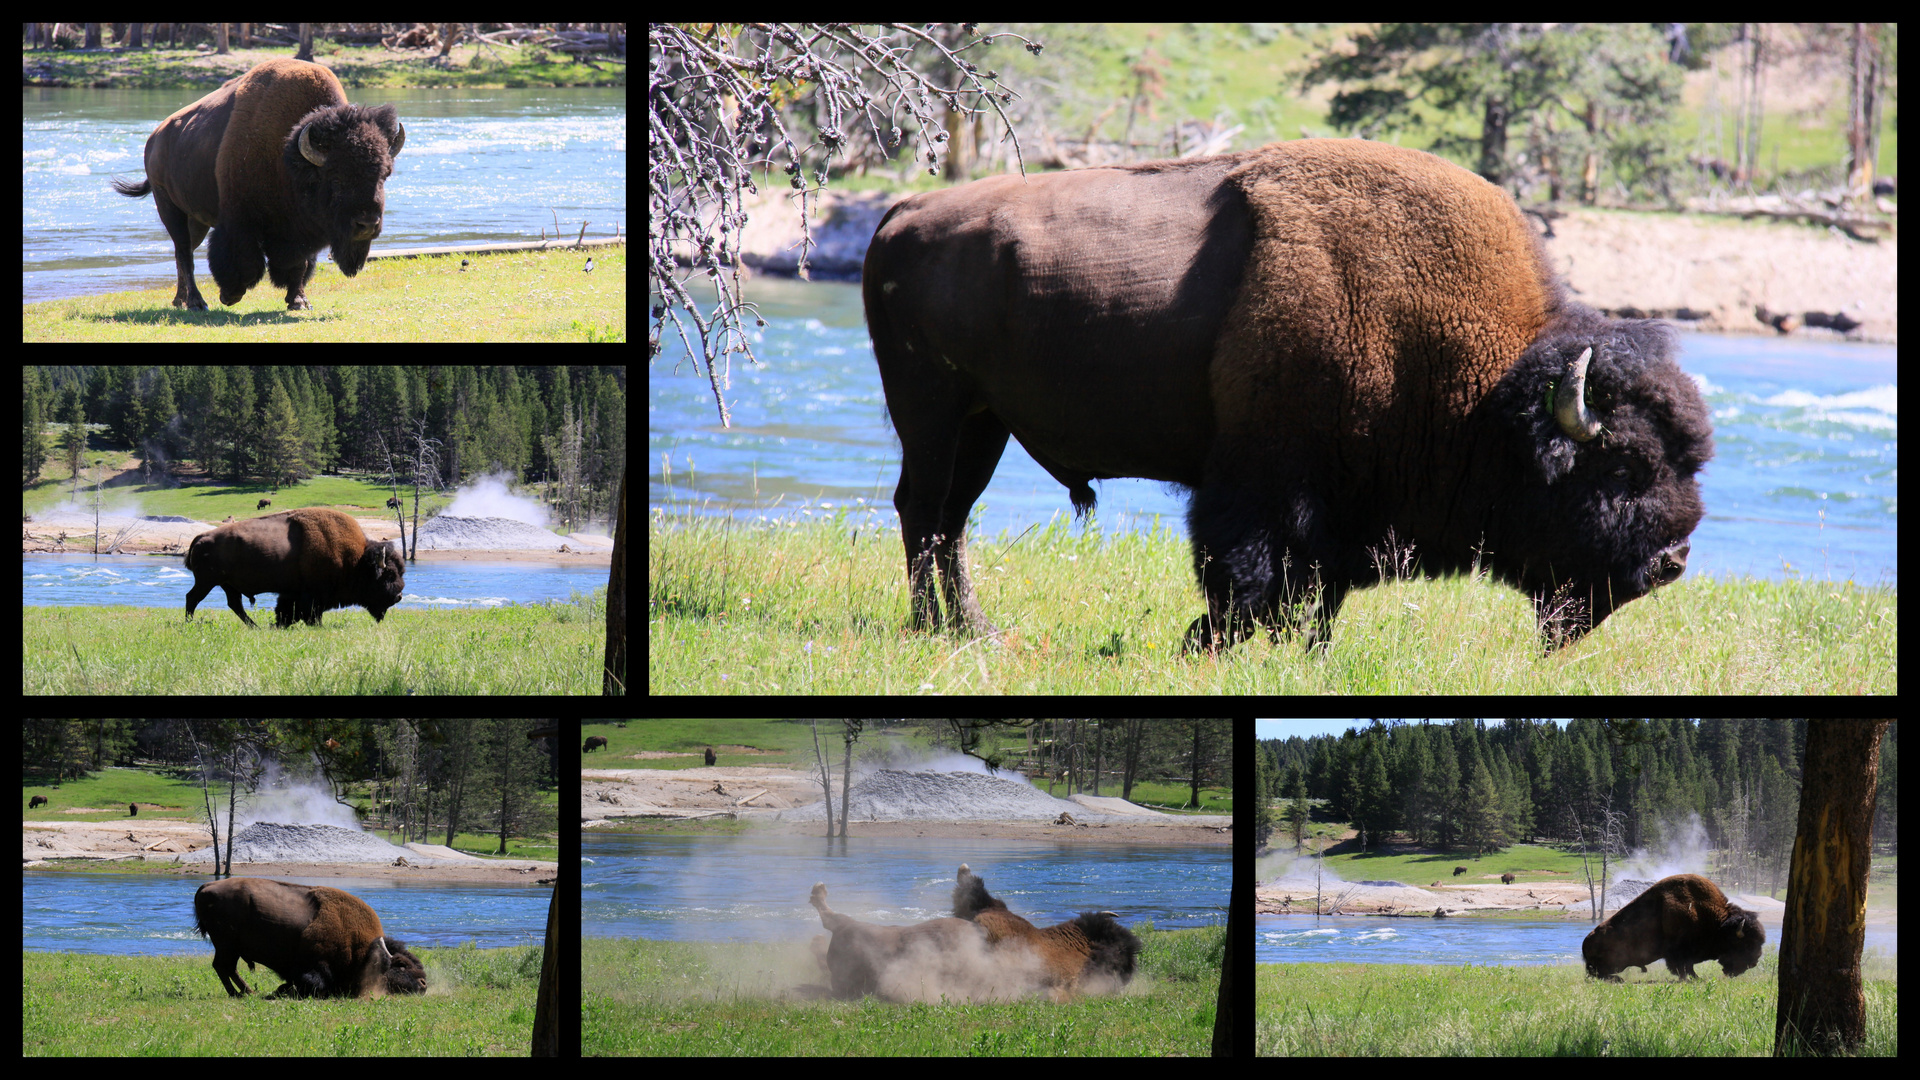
x=263, y=504
x=37, y=800
x=1093, y=948
x=279, y=166
x=1354, y=356
x=710, y=758
x=940, y=957
x=322, y=941
x=1683, y=919
x=1506, y=879
x=1458, y=870
x=316, y=559
x=393, y=504
x=593, y=743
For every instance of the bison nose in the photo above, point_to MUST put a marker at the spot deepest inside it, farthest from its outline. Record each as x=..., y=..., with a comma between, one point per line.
x=1668, y=565
x=366, y=226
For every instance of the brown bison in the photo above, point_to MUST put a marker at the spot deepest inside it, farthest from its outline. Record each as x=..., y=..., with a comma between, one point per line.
x=322, y=941
x=710, y=757
x=37, y=800
x=1091, y=949
x=593, y=743
x=263, y=504
x=393, y=504
x=940, y=957
x=1506, y=879
x=1347, y=351
x=316, y=559
x=1458, y=870
x=1683, y=919
x=279, y=166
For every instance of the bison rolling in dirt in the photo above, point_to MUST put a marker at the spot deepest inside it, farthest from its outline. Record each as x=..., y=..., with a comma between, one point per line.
x=324, y=942
x=1684, y=920
x=316, y=559
x=1093, y=948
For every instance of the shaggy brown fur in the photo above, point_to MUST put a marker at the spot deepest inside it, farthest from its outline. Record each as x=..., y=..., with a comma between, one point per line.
x=1685, y=920
x=865, y=958
x=1091, y=945
x=324, y=942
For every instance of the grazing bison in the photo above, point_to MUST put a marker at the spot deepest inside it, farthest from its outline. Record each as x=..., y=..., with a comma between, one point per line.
x=907, y=963
x=1093, y=948
x=316, y=559
x=37, y=800
x=263, y=504
x=279, y=166
x=1683, y=919
x=594, y=743
x=322, y=941
x=1458, y=870
x=1352, y=354
x=1506, y=879
x=393, y=504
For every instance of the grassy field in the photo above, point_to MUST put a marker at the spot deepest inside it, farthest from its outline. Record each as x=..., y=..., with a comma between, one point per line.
x=820, y=606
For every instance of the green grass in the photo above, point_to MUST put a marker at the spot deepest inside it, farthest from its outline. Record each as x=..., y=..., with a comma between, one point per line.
x=819, y=605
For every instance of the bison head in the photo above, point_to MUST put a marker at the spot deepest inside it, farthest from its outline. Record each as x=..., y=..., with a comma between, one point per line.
x=339, y=158
x=1606, y=434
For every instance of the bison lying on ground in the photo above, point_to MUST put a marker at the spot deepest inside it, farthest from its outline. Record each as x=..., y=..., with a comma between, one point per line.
x=322, y=941
x=940, y=957
x=593, y=743
x=1683, y=919
x=316, y=559
x=1354, y=355
x=279, y=166
x=1093, y=948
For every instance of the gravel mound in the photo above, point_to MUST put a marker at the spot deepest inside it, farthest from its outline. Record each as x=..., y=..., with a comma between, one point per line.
x=448, y=533
x=266, y=841
x=890, y=795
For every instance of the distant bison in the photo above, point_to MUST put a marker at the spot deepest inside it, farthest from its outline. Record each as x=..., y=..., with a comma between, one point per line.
x=37, y=800
x=316, y=559
x=393, y=504
x=1683, y=919
x=1506, y=879
x=1458, y=870
x=279, y=166
x=593, y=744
x=263, y=504
x=133, y=809
x=324, y=942
x=710, y=757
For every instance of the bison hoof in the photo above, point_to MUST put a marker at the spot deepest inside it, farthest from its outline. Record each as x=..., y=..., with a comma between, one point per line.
x=299, y=304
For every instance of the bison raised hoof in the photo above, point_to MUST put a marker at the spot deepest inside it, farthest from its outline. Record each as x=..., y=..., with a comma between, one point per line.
x=1354, y=355
x=280, y=166
x=1684, y=920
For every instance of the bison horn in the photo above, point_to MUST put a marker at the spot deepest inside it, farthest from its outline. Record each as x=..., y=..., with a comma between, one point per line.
x=1570, y=402
x=306, y=148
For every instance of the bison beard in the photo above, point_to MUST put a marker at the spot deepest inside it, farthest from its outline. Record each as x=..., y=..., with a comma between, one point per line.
x=279, y=166
x=1354, y=355
x=1685, y=920
x=1091, y=953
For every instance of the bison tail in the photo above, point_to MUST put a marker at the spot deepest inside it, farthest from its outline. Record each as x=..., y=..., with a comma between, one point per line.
x=133, y=191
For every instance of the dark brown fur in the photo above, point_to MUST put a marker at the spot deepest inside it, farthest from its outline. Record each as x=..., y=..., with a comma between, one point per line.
x=316, y=559
x=1344, y=349
x=593, y=743
x=1683, y=919
x=324, y=942
x=1506, y=879
x=864, y=958
x=1093, y=943
x=233, y=162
